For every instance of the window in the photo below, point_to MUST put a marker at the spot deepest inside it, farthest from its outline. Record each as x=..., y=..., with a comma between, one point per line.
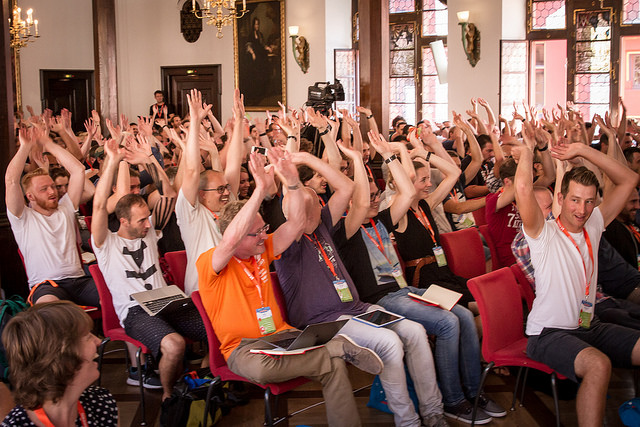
x=345, y=66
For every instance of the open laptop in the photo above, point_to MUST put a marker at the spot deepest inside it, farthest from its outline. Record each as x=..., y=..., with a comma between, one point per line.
x=313, y=335
x=165, y=299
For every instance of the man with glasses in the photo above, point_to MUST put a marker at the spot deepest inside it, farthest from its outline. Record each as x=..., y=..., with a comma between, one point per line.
x=203, y=194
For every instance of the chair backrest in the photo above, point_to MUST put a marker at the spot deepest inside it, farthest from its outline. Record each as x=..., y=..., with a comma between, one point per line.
x=277, y=291
x=495, y=262
x=526, y=291
x=87, y=220
x=480, y=216
x=465, y=253
x=500, y=307
x=178, y=266
x=109, y=317
x=215, y=355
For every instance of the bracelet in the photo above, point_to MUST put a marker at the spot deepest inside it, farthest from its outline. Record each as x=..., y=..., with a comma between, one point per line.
x=151, y=155
x=391, y=158
x=263, y=134
x=325, y=131
x=428, y=156
x=370, y=116
x=292, y=137
x=546, y=147
x=293, y=187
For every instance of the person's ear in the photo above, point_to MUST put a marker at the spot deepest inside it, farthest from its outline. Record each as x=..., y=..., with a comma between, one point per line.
x=560, y=198
x=30, y=197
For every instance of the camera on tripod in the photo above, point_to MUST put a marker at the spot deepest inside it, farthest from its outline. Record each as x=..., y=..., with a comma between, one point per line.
x=322, y=95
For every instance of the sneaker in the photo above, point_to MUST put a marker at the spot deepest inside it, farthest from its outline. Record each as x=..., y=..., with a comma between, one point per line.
x=150, y=379
x=490, y=407
x=463, y=411
x=362, y=358
x=435, y=420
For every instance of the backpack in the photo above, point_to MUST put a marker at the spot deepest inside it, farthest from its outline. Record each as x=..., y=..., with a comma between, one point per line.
x=8, y=308
x=630, y=412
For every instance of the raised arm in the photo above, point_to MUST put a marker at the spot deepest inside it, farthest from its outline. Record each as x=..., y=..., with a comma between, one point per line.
x=474, y=148
x=13, y=196
x=361, y=200
x=235, y=152
x=191, y=156
x=99, y=220
x=532, y=218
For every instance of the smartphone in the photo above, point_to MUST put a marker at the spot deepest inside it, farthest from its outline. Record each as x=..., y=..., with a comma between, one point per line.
x=259, y=150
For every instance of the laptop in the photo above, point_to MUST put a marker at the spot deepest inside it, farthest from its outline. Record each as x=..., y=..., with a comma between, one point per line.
x=165, y=300
x=314, y=335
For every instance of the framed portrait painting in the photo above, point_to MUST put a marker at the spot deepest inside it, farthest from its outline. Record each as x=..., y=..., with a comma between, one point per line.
x=259, y=54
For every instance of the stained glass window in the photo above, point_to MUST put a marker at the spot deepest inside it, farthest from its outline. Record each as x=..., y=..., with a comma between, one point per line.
x=513, y=77
x=631, y=12
x=400, y=6
x=345, y=66
x=402, y=37
x=434, y=18
x=402, y=63
x=547, y=15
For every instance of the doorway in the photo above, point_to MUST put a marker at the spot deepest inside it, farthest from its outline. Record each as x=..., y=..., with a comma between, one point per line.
x=70, y=89
x=178, y=81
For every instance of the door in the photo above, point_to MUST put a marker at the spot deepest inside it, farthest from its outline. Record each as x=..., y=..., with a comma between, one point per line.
x=178, y=81
x=70, y=89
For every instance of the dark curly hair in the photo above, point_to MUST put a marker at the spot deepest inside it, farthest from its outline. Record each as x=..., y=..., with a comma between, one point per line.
x=42, y=346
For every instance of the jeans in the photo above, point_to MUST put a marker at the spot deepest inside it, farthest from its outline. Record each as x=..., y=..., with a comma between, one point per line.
x=457, y=347
x=403, y=340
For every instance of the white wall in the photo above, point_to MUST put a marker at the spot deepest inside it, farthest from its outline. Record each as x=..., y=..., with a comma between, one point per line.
x=514, y=20
x=66, y=42
x=482, y=80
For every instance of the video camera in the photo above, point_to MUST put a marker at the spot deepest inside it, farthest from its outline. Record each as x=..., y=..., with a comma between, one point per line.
x=322, y=95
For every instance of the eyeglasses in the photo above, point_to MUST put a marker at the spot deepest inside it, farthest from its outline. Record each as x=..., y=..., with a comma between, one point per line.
x=220, y=189
x=261, y=230
x=374, y=196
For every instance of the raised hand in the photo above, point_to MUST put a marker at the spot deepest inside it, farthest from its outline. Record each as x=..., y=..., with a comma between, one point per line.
x=366, y=111
x=380, y=144
x=197, y=109
x=145, y=126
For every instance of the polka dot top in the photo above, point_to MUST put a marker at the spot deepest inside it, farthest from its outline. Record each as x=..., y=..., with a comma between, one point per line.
x=98, y=403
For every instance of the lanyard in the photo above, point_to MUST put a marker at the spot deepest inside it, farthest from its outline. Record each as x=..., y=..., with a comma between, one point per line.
x=44, y=419
x=369, y=171
x=378, y=243
x=588, y=241
x=212, y=213
x=327, y=261
x=258, y=269
x=424, y=220
x=321, y=201
x=633, y=231
x=455, y=194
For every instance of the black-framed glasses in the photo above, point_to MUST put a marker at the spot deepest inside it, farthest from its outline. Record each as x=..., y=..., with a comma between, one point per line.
x=374, y=196
x=261, y=230
x=220, y=189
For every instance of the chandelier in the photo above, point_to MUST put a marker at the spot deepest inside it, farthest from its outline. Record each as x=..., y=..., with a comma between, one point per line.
x=219, y=12
x=22, y=31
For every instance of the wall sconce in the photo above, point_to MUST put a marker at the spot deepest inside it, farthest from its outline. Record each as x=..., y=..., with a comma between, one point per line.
x=470, y=38
x=300, y=47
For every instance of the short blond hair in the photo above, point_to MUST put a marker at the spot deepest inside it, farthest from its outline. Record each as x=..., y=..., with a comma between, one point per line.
x=26, y=180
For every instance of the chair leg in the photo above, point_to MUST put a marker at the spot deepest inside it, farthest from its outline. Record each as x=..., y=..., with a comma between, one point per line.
x=554, y=390
x=268, y=416
x=214, y=383
x=140, y=382
x=103, y=344
x=515, y=390
x=524, y=384
x=475, y=402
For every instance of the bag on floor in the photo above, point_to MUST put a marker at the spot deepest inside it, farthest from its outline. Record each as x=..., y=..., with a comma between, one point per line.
x=630, y=413
x=378, y=399
x=8, y=308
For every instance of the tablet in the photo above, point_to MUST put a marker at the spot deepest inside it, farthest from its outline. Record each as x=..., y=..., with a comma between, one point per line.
x=378, y=318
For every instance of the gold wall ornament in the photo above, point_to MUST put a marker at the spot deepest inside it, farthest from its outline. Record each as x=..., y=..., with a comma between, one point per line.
x=470, y=38
x=300, y=47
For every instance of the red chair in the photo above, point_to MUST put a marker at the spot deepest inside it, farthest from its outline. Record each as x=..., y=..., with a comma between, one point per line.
x=277, y=290
x=526, y=291
x=219, y=367
x=503, y=340
x=113, y=331
x=87, y=220
x=177, y=266
x=480, y=216
x=465, y=253
x=495, y=262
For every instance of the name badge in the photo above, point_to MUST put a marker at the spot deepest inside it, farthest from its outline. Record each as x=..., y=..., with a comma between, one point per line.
x=397, y=274
x=586, y=312
x=441, y=259
x=265, y=320
x=343, y=290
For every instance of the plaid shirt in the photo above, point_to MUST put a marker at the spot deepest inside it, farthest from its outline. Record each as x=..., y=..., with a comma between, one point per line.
x=520, y=249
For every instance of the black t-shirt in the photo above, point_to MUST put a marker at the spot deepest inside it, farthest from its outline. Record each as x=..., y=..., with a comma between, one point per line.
x=355, y=257
x=622, y=240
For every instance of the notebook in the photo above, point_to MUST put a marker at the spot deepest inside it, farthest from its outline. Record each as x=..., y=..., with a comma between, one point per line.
x=438, y=296
x=165, y=299
x=298, y=342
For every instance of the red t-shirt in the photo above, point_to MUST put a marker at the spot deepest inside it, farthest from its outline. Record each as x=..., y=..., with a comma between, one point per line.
x=503, y=227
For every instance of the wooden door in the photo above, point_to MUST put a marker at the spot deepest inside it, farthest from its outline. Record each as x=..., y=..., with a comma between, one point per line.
x=178, y=81
x=70, y=89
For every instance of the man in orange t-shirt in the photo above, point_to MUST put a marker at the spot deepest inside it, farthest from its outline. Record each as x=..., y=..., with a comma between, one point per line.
x=236, y=290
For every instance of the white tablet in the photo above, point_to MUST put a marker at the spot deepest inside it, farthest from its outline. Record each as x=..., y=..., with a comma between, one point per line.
x=378, y=318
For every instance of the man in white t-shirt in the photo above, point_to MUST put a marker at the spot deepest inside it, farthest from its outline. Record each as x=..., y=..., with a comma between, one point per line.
x=203, y=194
x=46, y=229
x=128, y=260
x=562, y=330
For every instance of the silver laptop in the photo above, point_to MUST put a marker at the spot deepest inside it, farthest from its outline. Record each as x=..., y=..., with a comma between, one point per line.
x=165, y=299
x=313, y=335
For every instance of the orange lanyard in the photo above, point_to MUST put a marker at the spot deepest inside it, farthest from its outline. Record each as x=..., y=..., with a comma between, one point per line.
x=212, y=213
x=44, y=419
x=633, y=231
x=588, y=241
x=327, y=261
x=369, y=172
x=424, y=220
x=455, y=194
x=258, y=269
x=321, y=201
x=379, y=244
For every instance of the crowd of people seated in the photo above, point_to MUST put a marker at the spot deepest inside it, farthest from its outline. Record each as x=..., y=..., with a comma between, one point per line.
x=299, y=193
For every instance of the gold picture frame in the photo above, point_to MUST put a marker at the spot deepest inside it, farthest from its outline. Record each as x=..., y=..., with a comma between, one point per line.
x=259, y=54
